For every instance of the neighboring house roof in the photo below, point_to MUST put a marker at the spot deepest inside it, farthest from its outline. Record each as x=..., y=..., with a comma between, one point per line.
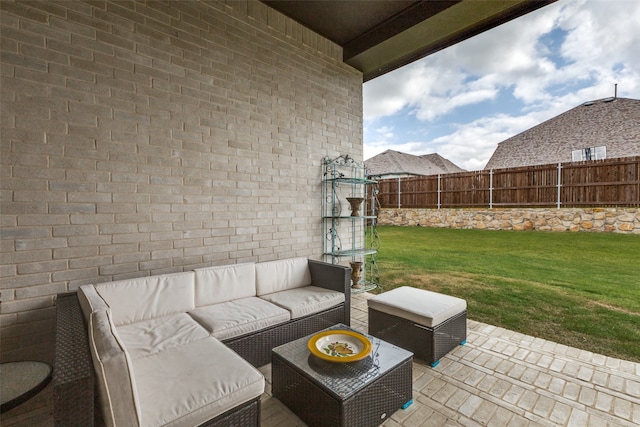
x=402, y=164
x=610, y=122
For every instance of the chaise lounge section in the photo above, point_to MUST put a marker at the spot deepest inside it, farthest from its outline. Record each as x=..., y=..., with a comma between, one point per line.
x=182, y=349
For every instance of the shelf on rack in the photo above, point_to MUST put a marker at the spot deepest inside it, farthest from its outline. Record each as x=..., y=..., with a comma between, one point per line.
x=348, y=180
x=364, y=287
x=352, y=252
x=351, y=217
x=346, y=237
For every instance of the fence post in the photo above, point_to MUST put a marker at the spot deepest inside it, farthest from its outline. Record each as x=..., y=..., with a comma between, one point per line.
x=439, y=190
x=399, y=192
x=490, y=188
x=559, y=183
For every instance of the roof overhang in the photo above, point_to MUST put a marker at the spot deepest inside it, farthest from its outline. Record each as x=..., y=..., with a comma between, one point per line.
x=379, y=36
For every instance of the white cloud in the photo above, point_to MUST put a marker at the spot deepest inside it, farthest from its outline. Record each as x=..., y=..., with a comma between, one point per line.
x=471, y=145
x=538, y=66
x=603, y=33
x=464, y=74
x=385, y=131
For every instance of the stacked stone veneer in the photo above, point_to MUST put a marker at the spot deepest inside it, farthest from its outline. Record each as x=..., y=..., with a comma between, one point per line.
x=149, y=137
x=619, y=220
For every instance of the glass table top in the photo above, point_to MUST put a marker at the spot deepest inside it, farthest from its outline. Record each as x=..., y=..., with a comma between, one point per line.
x=343, y=379
x=20, y=381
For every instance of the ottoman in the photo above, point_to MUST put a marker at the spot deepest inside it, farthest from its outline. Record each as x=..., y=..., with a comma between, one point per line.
x=426, y=323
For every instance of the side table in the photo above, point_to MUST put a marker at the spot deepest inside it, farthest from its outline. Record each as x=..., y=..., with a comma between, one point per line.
x=21, y=381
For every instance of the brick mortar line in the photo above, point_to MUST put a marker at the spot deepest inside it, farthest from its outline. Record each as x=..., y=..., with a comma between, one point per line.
x=611, y=418
x=545, y=392
x=570, y=359
x=499, y=400
x=542, y=392
x=555, y=397
x=442, y=409
x=523, y=413
x=568, y=378
x=540, y=420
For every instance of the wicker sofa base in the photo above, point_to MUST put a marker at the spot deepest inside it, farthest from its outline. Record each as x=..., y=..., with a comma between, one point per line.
x=74, y=382
x=73, y=374
x=428, y=344
x=247, y=414
x=256, y=348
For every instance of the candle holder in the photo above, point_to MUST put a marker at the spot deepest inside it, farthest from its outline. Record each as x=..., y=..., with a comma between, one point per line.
x=356, y=273
x=355, y=203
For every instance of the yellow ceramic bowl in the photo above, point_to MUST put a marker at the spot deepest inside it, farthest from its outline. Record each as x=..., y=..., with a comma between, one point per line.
x=340, y=346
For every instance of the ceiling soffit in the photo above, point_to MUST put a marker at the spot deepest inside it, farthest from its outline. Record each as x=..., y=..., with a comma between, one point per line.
x=380, y=36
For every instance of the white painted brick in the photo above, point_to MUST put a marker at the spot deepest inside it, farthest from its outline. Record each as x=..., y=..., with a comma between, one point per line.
x=162, y=152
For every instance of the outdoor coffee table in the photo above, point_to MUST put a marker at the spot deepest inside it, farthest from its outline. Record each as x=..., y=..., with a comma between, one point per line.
x=323, y=393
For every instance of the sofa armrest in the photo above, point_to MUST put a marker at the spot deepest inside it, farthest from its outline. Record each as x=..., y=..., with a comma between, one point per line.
x=73, y=377
x=335, y=277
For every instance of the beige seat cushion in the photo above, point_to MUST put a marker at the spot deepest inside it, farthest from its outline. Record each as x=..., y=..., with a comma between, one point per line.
x=417, y=305
x=149, y=337
x=306, y=300
x=193, y=383
x=235, y=318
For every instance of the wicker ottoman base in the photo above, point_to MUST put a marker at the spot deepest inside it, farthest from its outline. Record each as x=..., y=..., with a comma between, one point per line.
x=428, y=344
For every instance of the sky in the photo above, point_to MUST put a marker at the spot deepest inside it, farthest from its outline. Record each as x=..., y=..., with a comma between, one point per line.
x=462, y=101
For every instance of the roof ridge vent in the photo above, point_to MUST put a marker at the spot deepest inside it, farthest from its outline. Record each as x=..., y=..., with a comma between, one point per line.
x=608, y=99
x=586, y=104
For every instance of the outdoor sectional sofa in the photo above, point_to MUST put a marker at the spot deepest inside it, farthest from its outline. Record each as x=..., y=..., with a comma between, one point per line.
x=182, y=349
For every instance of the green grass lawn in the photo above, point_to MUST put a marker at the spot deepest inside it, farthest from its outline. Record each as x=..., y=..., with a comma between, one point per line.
x=578, y=289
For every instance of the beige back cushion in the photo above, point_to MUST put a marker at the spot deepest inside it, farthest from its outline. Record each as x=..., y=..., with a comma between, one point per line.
x=274, y=276
x=149, y=297
x=225, y=283
x=117, y=391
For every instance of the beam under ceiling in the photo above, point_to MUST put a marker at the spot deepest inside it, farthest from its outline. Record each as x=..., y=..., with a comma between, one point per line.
x=380, y=36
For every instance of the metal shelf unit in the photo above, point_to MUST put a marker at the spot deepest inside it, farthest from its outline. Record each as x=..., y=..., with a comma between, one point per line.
x=348, y=236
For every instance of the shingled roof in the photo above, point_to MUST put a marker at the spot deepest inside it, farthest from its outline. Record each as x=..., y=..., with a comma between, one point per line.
x=394, y=163
x=611, y=122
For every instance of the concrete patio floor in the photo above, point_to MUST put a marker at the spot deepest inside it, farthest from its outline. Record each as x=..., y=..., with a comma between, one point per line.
x=499, y=378
x=504, y=378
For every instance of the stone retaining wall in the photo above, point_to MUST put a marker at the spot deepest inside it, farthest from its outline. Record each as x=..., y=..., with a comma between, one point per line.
x=618, y=220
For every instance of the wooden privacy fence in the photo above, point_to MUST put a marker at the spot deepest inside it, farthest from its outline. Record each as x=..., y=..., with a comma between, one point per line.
x=612, y=182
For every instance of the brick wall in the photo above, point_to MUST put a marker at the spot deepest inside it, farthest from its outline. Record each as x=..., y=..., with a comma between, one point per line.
x=148, y=137
x=616, y=220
